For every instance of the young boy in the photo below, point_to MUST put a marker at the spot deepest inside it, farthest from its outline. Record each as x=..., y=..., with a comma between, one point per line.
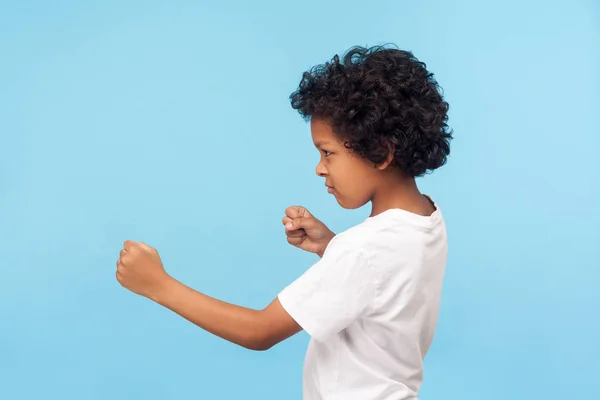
x=370, y=304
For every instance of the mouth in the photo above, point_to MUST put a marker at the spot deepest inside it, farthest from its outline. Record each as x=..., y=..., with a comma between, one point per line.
x=330, y=189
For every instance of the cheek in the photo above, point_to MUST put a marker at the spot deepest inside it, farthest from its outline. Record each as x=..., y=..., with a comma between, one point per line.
x=358, y=185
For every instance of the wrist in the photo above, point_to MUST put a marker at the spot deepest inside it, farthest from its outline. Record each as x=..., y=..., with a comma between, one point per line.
x=163, y=289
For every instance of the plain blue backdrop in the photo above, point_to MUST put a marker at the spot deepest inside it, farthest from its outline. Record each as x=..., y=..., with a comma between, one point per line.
x=170, y=123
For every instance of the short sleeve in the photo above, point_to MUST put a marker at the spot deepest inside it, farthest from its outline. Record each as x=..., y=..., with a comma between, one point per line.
x=331, y=294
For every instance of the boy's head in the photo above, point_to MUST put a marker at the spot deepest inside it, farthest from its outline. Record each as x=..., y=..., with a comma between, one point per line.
x=381, y=113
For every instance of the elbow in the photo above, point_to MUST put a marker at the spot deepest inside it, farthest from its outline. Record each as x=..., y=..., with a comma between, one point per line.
x=258, y=347
x=260, y=343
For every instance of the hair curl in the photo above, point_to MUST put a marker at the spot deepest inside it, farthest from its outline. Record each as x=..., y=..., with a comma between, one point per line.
x=376, y=97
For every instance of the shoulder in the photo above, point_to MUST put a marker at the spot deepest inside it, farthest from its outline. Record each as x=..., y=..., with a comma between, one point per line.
x=368, y=238
x=386, y=245
x=355, y=239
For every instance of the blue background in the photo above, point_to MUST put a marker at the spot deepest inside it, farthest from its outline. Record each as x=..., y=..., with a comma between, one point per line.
x=170, y=123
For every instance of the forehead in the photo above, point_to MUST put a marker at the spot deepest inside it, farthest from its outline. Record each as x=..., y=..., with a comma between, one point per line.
x=322, y=132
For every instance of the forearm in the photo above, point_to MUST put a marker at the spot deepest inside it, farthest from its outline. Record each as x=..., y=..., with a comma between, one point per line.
x=239, y=325
x=322, y=251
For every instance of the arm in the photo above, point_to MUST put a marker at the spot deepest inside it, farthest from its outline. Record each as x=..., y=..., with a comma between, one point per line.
x=140, y=270
x=252, y=329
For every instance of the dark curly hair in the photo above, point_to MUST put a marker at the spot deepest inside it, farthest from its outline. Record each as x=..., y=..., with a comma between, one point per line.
x=379, y=96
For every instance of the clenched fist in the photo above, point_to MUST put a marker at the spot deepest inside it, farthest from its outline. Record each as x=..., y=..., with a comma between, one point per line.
x=305, y=231
x=140, y=269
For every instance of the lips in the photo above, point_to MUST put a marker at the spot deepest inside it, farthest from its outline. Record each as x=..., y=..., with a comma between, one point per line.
x=330, y=189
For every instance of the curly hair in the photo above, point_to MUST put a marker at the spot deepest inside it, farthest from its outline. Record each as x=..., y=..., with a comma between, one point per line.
x=376, y=97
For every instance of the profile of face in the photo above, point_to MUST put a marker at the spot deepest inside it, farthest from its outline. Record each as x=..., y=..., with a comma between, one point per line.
x=349, y=177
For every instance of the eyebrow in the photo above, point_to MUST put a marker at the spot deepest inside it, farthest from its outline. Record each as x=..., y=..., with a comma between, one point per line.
x=319, y=144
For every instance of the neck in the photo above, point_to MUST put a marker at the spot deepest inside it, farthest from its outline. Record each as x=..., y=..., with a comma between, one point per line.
x=399, y=191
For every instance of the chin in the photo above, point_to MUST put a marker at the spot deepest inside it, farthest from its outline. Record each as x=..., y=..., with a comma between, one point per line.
x=350, y=206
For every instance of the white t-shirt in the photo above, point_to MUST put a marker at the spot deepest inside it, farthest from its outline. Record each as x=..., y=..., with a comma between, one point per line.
x=371, y=306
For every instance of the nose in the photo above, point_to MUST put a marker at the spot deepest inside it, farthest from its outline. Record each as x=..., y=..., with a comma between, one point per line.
x=321, y=170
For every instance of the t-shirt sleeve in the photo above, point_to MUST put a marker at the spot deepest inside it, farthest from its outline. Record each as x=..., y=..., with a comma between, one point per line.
x=332, y=293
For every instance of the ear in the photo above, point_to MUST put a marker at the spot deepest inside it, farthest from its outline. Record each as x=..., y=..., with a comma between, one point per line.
x=390, y=157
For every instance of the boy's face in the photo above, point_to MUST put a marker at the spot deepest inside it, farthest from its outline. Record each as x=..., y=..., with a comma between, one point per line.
x=351, y=178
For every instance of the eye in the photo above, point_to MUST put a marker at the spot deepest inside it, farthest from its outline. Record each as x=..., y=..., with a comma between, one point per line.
x=327, y=153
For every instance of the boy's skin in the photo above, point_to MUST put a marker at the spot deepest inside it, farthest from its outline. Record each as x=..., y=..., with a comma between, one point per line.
x=354, y=182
